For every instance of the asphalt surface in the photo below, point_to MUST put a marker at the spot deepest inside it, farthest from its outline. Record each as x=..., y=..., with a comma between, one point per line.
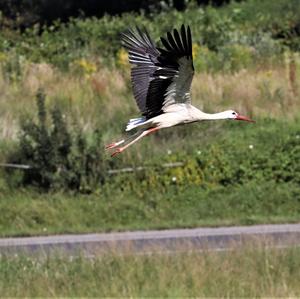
x=143, y=242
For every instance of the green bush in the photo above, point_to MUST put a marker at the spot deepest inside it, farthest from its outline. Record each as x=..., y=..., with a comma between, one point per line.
x=269, y=151
x=58, y=157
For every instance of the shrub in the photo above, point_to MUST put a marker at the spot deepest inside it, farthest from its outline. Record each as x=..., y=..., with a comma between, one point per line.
x=58, y=157
x=268, y=151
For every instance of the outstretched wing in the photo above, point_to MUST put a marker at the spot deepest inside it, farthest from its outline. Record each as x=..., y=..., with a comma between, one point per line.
x=160, y=76
x=143, y=55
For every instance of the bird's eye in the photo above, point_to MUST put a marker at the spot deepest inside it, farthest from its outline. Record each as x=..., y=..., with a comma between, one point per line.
x=233, y=113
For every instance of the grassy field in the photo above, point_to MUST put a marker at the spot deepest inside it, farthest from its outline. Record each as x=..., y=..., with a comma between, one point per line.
x=232, y=173
x=252, y=271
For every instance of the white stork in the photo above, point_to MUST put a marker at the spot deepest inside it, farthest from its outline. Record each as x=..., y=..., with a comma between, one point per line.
x=161, y=80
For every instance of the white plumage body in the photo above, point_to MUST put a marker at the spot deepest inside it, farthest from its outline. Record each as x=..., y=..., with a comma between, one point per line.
x=173, y=115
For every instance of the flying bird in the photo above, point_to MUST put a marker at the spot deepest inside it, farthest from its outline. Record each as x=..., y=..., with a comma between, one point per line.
x=161, y=81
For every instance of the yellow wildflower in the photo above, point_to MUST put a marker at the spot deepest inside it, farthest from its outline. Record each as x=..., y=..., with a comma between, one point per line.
x=86, y=66
x=195, y=49
x=122, y=58
x=268, y=74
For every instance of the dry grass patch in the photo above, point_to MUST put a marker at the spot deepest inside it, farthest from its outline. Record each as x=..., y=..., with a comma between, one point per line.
x=105, y=97
x=255, y=93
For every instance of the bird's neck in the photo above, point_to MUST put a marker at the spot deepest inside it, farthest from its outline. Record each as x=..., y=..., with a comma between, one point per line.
x=212, y=116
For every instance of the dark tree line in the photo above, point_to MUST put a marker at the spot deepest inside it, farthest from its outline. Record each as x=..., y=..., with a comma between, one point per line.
x=24, y=13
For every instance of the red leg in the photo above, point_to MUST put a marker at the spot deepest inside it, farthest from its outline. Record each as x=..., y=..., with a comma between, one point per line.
x=115, y=144
x=144, y=133
x=118, y=151
x=152, y=130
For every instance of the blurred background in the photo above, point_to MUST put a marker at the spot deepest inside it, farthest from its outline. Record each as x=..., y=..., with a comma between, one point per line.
x=65, y=91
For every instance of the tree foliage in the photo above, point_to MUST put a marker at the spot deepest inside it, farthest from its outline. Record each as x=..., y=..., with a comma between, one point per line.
x=25, y=13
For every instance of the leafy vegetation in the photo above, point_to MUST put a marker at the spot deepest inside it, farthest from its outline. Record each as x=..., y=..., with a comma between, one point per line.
x=266, y=151
x=254, y=31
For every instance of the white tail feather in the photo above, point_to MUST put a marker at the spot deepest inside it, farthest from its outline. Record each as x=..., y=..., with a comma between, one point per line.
x=135, y=122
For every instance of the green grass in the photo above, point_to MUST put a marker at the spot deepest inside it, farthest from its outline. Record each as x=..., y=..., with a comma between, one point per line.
x=252, y=271
x=222, y=182
x=30, y=213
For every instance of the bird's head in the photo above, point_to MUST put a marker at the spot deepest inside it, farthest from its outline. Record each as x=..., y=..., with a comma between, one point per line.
x=231, y=114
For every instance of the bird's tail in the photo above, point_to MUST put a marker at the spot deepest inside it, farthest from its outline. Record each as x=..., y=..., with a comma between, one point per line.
x=135, y=122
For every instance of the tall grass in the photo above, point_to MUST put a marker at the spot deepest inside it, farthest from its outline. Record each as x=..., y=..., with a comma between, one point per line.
x=85, y=100
x=104, y=98
x=251, y=271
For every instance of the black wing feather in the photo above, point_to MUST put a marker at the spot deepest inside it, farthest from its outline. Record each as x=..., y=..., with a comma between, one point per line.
x=155, y=69
x=172, y=43
x=189, y=42
x=166, y=44
x=178, y=41
x=143, y=55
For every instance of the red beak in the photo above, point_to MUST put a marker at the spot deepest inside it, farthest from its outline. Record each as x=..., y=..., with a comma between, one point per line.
x=245, y=118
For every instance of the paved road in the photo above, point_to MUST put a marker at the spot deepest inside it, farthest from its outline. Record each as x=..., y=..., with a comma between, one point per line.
x=141, y=242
